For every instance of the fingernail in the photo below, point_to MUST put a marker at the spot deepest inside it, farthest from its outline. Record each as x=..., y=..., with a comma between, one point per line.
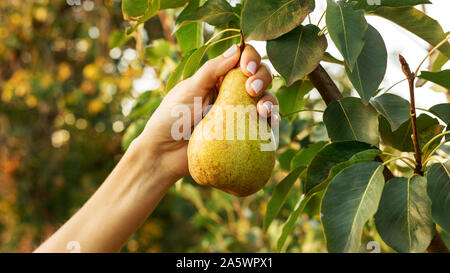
x=257, y=85
x=231, y=51
x=268, y=105
x=251, y=67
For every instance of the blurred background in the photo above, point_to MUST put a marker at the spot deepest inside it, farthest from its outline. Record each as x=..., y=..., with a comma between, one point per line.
x=74, y=91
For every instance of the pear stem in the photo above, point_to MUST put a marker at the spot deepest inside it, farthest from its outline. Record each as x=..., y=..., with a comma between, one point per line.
x=241, y=48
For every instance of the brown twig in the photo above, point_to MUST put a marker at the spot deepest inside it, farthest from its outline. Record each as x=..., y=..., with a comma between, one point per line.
x=325, y=85
x=241, y=48
x=412, y=112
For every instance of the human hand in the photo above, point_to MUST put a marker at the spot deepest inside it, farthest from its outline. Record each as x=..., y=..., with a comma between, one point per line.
x=156, y=137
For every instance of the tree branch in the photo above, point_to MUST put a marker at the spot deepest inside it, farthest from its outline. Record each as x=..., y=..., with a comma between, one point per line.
x=412, y=112
x=325, y=85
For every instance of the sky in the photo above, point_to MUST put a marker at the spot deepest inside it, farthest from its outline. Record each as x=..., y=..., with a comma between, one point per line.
x=397, y=40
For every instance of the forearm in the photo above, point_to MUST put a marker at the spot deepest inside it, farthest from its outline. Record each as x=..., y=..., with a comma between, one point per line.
x=118, y=207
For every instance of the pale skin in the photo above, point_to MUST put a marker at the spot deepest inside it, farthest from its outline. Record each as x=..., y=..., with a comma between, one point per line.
x=154, y=161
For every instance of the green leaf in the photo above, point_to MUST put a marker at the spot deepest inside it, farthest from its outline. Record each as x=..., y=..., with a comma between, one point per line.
x=118, y=39
x=220, y=47
x=267, y=20
x=279, y=196
x=132, y=132
x=349, y=201
x=327, y=57
x=292, y=99
x=442, y=77
x=347, y=28
x=285, y=159
x=297, y=53
x=194, y=61
x=305, y=155
x=170, y=4
x=438, y=62
x=190, y=35
x=403, y=218
x=292, y=220
x=370, y=66
x=427, y=128
x=374, y=4
x=175, y=77
x=133, y=9
x=363, y=156
x=394, y=108
x=327, y=158
x=214, y=12
x=418, y=23
x=146, y=105
x=442, y=111
x=350, y=119
x=158, y=49
x=438, y=188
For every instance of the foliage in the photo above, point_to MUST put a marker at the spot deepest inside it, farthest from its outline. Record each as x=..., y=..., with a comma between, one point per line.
x=61, y=134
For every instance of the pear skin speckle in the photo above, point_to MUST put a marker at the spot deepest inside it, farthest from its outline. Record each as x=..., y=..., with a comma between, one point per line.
x=238, y=165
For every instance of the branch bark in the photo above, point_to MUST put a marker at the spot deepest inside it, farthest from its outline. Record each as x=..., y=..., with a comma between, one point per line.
x=412, y=112
x=325, y=85
x=329, y=93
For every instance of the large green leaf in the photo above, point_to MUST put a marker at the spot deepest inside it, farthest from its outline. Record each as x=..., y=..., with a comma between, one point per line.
x=442, y=77
x=297, y=53
x=190, y=35
x=347, y=28
x=305, y=155
x=267, y=20
x=292, y=98
x=214, y=12
x=427, y=128
x=349, y=201
x=418, y=23
x=363, y=156
x=329, y=156
x=394, y=108
x=279, y=196
x=370, y=66
x=350, y=119
x=438, y=188
x=292, y=220
x=403, y=218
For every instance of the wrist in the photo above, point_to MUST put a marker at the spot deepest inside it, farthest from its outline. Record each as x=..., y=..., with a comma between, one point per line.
x=149, y=159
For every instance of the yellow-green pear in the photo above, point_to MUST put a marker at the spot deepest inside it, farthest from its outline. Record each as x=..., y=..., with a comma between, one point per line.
x=232, y=148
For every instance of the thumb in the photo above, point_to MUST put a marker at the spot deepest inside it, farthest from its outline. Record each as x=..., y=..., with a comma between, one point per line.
x=208, y=75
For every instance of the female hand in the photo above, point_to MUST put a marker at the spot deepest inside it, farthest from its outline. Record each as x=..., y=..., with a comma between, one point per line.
x=156, y=137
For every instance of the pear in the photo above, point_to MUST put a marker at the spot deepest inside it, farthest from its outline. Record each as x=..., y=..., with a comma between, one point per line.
x=232, y=148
